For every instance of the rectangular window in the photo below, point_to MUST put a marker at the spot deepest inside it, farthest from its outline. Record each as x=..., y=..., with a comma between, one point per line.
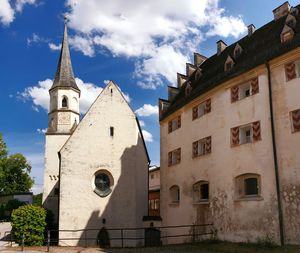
x=292, y=70
x=174, y=124
x=111, y=131
x=201, y=191
x=174, y=157
x=246, y=133
x=202, y=147
x=295, y=118
x=201, y=109
x=244, y=90
x=251, y=186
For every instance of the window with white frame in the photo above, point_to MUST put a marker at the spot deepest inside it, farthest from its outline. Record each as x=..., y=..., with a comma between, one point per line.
x=174, y=194
x=202, y=147
x=244, y=90
x=248, y=185
x=174, y=157
x=245, y=134
x=174, y=124
x=201, y=191
x=201, y=109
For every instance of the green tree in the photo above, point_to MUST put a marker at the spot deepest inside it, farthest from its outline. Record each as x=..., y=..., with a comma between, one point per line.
x=14, y=172
x=37, y=199
x=29, y=221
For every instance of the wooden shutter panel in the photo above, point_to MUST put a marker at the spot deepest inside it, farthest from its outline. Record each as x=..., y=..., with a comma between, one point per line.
x=234, y=94
x=195, y=148
x=296, y=120
x=179, y=121
x=169, y=158
x=235, y=138
x=178, y=155
x=170, y=126
x=208, y=105
x=290, y=71
x=195, y=112
x=256, y=131
x=208, y=145
x=254, y=85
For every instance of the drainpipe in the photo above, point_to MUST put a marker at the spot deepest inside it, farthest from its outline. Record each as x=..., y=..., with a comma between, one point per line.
x=280, y=215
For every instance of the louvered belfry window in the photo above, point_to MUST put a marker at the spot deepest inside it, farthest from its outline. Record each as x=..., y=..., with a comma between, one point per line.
x=290, y=71
x=201, y=109
x=295, y=120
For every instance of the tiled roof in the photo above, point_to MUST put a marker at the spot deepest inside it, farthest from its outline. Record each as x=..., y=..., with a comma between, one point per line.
x=64, y=74
x=262, y=46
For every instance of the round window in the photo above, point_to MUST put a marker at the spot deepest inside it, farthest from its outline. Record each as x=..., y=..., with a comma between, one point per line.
x=103, y=183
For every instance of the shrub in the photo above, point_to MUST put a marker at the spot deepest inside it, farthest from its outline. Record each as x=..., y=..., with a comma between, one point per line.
x=29, y=221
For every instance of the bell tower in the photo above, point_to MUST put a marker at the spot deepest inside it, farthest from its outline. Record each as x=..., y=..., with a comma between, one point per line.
x=64, y=94
x=63, y=118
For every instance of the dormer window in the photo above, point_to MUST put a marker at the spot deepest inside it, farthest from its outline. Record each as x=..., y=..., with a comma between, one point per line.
x=188, y=89
x=64, y=102
x=237, y=51
x=228, y=64
x=287, y=34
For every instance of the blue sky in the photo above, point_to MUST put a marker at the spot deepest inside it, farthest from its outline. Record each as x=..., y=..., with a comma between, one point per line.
x=138, y=44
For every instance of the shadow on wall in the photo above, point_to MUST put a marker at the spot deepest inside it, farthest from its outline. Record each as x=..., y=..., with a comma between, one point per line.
x=51, y=205
x=125, y=209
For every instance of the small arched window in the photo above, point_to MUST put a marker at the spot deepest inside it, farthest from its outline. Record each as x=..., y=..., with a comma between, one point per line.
x=201, y=191
x=64, y=102
x=248, y=185
x=175, y=194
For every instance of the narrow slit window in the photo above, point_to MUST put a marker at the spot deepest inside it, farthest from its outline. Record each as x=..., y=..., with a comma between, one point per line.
x=112, y=131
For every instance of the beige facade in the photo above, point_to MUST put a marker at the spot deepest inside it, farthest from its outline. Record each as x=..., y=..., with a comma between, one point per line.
x=96, y=170
x=217, y=154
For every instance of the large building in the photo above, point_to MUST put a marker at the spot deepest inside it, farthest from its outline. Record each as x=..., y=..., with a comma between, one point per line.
x=96, y=169
x=230, y=137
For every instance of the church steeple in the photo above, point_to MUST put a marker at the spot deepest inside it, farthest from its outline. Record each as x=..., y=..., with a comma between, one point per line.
x=64, y=94
x=64, y=77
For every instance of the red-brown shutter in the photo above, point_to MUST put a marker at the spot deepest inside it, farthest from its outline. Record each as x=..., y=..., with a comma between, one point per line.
x=170, y=126
x=256, y=131
x=296, y=120
x=208, y=105
x=178, y=155
x=290, y=71
x=254, y=85
x=195, y=148
x=234, y=94
x=208, y=145
x=195, y=112
x=235, y=138
x=179, y=121
x=169, y=158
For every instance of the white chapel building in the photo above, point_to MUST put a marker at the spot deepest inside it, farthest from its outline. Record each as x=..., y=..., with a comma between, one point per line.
x=96, y=169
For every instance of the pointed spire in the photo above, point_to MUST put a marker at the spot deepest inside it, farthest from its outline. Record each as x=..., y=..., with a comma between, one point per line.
x=64, y=76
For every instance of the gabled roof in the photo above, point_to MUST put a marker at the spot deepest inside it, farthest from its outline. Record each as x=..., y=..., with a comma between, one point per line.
x=262, y=46
x=64, y=76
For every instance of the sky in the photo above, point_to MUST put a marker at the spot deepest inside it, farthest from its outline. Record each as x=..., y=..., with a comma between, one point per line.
x=138, y=44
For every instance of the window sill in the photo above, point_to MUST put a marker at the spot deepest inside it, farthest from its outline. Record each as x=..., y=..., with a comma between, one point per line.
x=250, y=198
x=202, y=202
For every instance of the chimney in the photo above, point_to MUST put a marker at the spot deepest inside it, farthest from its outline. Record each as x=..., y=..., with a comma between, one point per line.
x=282, y=10
x=221, y=45
x=251, y=29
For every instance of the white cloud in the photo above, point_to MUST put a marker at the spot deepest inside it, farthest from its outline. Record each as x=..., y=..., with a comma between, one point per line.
x=54, y=47
x=35, y=38
x=160, y=35
x=142, y=123
x=147, y=136
x=20, y=4
x=39, y=94
x=8, y=11
x=41, y=131
x=147, y=110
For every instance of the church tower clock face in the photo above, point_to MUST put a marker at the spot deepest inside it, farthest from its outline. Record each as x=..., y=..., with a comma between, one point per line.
x=64, y=118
